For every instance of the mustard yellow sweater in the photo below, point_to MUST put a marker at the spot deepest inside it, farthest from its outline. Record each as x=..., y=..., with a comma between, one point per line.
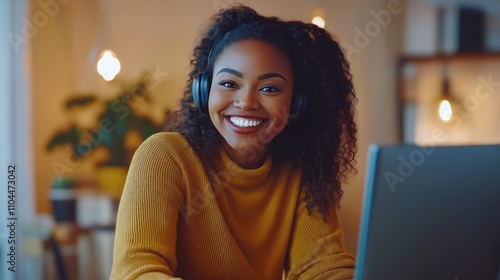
x=252, y=225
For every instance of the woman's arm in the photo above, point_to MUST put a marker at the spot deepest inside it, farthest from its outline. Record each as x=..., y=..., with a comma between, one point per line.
x=146, y=229
x=316, y=250
x=156, y=276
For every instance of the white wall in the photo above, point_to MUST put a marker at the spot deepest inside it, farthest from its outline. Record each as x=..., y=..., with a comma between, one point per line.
x=15, y=142
x=6, y=128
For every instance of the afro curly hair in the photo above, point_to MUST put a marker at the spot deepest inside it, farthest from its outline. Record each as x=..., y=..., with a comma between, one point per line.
x=322, y=141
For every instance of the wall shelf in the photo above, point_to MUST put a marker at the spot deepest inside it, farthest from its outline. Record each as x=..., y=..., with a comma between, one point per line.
x=441, y=57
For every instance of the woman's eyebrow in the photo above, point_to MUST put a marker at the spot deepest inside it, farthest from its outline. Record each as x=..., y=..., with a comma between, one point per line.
x=260, y=77
x=271, y=75
x=230, y=71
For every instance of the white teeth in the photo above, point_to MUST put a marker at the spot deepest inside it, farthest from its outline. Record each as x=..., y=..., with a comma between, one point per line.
x=241, y=122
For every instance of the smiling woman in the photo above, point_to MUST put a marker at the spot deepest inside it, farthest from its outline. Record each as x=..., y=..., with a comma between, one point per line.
x=245, y=105
x=248, y=183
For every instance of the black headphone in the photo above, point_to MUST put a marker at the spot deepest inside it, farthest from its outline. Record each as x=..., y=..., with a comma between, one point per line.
x=201, y=91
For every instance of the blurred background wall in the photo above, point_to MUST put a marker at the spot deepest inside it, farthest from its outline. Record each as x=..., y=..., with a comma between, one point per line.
x=159, y=36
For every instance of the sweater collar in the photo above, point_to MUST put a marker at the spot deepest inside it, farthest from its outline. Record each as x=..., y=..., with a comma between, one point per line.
x=241, y=177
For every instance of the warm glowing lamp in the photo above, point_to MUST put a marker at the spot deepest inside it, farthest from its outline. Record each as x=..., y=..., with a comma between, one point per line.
x=319, y=21
x=445, y=111
x=108, y=65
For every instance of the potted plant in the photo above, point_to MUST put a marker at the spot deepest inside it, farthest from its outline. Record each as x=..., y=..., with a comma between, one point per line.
x=118, y=122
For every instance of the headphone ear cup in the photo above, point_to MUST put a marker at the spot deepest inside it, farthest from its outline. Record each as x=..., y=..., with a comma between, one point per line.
x=195, y=90
x=298, y=106
x=200, y=90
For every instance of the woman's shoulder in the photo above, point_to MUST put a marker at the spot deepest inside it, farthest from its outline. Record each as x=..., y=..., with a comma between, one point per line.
x=164, y=142
x=170, y=139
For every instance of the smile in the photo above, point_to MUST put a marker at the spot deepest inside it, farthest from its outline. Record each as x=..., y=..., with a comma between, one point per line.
x=243, y=122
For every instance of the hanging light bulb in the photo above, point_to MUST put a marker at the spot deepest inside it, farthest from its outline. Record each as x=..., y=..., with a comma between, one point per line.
x=108, y=65
x=319, y=21
x=445, y=111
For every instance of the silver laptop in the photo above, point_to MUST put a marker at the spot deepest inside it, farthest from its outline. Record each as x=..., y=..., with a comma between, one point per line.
x=431, y=213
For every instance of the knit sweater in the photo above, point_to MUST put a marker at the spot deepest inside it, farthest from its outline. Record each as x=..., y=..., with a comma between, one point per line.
x=175, y=220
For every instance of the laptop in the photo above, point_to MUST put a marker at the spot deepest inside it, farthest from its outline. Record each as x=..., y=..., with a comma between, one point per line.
x=430, y=213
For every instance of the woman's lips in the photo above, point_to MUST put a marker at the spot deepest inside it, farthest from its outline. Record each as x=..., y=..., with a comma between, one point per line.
x=244, y=125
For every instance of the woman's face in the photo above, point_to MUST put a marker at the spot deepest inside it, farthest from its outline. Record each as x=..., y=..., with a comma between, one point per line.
x=250, y=96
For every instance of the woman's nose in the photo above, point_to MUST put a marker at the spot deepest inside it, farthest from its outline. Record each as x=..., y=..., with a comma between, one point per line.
x=246, y=100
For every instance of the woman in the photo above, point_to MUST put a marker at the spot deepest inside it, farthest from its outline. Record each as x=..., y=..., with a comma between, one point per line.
x=248, y=184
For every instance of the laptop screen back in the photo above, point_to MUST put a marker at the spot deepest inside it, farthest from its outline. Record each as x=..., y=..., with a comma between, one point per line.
x=431, y=213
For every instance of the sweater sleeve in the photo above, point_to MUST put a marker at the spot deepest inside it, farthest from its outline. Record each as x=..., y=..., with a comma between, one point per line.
x=146, y=228
x=316, y=250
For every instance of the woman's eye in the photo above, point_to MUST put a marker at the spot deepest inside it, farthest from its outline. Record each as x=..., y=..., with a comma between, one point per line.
x=228, y=84
x=269, y=89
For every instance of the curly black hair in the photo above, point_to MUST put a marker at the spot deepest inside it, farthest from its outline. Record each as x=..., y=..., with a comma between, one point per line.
x=322, y=141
